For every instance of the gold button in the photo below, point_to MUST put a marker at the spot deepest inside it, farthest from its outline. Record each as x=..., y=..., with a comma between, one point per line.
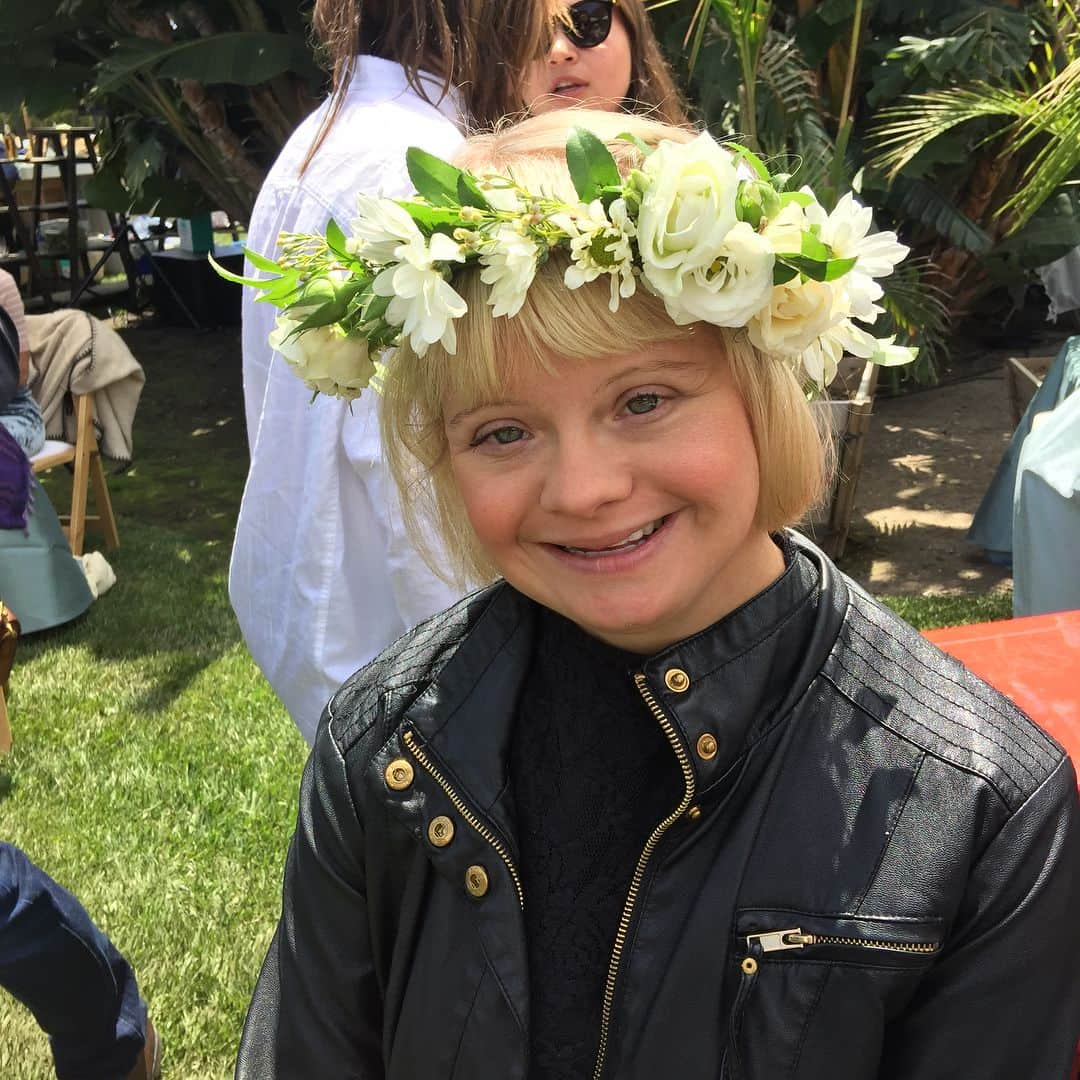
x=440, y=831
x=749, y=966
x=707, y=747
x=694, y=813
x=399, y=774
x=476, y=880
x=677, y=680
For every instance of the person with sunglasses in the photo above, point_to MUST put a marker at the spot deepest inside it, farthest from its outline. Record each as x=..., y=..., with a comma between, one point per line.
x=604, y=55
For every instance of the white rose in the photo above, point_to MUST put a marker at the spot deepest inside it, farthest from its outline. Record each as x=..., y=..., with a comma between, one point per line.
x=733, y=289
x=686, y=211
x=509, y=261
x=381, y=228
x=325, y=359
x=795, y=318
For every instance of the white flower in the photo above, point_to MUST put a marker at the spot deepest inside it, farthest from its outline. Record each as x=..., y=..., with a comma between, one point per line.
x=422, y=302
x=888, y=354
x=508, y=257
x=327, y=360
x=734, y=288
x=687, y=209
x=794, y=319
x=600, y=244
x=847, y=231
x=381, y=229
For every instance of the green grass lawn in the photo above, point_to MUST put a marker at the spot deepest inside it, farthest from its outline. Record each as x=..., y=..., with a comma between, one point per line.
x=154, y=772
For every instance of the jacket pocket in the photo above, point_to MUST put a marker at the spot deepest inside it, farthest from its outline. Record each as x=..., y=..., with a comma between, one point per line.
x=850, y=939
x=785, y=959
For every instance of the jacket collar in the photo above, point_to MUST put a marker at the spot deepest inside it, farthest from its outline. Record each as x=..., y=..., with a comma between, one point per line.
x=740, y=676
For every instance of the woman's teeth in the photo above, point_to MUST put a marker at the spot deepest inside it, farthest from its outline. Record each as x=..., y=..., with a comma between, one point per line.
x=627, y=541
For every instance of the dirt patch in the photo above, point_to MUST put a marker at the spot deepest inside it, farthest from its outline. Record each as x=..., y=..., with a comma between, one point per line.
x=929, y=459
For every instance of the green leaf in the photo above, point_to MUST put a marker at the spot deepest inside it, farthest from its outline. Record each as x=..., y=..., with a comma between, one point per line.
x=246, y=58
x=430, y=218
x=800, y=197
x=434, y=179
x=750, y=158
x=469, y=194
x=813, y=248
x=592, y=168
x=644, y=147
x=335, y=240
x=261, y=262
x=228, y=275
x=782, y=273
x=817, y=269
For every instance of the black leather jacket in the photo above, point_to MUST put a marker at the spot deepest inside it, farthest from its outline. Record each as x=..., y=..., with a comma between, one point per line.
x=874, y=871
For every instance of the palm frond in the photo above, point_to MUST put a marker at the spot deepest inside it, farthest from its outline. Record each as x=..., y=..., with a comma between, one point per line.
x=1054, y=116
x=904, y=129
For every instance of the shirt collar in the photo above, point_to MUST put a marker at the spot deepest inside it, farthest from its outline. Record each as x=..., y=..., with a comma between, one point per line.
x=379, y=79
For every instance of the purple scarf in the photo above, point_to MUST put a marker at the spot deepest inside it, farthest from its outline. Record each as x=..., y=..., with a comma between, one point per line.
x=16, y=478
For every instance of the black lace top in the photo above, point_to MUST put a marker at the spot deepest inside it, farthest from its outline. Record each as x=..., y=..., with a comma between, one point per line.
x=592, y=775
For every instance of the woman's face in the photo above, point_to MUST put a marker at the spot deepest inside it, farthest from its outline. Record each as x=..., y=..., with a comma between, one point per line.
x=620, y=492
x=598, y=77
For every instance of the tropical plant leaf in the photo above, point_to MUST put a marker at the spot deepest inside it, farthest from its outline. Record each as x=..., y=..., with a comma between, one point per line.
x=924, y=203
x=246, y=58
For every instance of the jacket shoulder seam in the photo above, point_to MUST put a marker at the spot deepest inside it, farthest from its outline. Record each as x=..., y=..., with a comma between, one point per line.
x=922, y=743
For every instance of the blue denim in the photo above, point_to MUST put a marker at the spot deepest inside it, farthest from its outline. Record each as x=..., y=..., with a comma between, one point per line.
x=68, y=974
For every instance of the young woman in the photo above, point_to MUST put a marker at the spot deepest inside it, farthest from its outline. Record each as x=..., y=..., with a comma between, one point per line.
x=605, y=55
x=319, y=543
x=672, y=797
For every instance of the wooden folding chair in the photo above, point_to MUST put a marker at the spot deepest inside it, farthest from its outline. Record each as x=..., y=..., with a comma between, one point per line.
x=85, y=458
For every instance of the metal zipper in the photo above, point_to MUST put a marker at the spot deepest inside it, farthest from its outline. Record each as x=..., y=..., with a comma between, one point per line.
x=459, y=805
x=639, y=870
x=779, y=940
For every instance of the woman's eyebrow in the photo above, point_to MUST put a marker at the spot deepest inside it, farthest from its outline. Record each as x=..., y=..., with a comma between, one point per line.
x=460, y=417
x=649, y=366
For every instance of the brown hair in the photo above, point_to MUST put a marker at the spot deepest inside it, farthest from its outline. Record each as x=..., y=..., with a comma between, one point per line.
x=480, y=47
x=792, y=451
x=652, y=88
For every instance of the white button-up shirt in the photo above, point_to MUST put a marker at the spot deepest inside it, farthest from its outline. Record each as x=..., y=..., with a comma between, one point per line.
x=323, y=577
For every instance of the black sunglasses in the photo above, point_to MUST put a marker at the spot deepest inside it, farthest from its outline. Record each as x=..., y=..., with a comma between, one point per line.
x=588, y=22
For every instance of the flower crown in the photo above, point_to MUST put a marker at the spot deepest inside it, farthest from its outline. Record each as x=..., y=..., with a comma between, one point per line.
x=705, y=227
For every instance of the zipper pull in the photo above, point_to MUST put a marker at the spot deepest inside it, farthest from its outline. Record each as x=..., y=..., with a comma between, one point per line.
x=778, y=940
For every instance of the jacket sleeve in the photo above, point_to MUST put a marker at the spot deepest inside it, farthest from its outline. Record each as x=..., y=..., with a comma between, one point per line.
x=1004, y=999
x=316, y=1009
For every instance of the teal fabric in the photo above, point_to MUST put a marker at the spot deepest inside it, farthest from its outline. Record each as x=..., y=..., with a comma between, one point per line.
x=39, y=579
x=992, y=527
x=1046, y=518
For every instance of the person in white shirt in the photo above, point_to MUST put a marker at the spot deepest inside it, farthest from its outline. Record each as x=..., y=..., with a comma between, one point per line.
x=323, y=576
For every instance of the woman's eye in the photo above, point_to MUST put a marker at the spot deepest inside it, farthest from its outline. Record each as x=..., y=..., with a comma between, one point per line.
x=643, y=403
x=503, y=436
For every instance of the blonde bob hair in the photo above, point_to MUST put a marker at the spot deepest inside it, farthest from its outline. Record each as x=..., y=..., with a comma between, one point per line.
x=792, y=450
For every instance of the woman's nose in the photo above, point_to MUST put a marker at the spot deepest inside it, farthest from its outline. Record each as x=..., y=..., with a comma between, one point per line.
x=562, y=48
x=582, y=478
